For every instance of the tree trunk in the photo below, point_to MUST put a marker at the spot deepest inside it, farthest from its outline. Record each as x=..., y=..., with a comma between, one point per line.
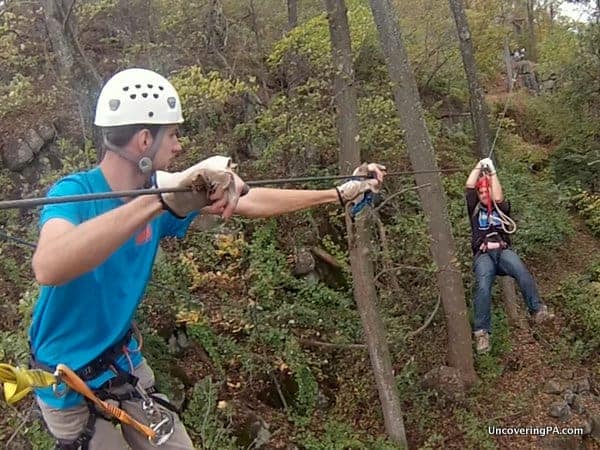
x=292, y=7
x=478, y=108
x=358, y=231
x=531, y=30
x=508, y=62
x=420, y=149
x=481, y=123
x=510, y=299
x=73, y=65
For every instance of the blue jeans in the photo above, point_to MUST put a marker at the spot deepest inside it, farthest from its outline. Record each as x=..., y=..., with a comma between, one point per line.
x=486, y=267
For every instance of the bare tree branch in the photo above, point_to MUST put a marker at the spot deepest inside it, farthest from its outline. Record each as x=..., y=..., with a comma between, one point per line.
x=67, y=15
x=278, y=387
x=312, y=343
x=400, y=193
x=24, y=420
x=412, y=334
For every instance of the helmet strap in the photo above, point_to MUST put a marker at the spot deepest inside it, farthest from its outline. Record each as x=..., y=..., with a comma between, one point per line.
x=143, y=163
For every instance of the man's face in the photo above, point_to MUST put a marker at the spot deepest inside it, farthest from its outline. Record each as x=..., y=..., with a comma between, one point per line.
x=169, y=148
x=483, y=195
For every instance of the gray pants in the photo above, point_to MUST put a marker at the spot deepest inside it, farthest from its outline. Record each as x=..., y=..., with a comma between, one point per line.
x=68, y=424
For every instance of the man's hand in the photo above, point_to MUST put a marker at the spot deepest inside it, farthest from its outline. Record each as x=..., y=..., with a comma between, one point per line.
x=350, y=190
x=213, y=185
x=487, y=162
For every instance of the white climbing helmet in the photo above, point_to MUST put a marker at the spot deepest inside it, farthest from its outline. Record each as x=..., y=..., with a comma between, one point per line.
x=138, y=96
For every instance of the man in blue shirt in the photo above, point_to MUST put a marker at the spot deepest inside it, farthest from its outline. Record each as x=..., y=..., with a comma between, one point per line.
x=94, y=259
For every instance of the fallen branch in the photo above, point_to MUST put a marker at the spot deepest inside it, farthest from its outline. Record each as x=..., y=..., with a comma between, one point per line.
x=281, y=397
x=412, y=334
x=399, y=193
x=455, y=114
x=312, y=343
x=24, y=421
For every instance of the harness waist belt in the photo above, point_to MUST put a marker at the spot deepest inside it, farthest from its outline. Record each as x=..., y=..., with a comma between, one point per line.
x=96, y=367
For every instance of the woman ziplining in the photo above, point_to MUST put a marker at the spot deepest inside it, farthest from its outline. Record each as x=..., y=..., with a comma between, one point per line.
x=491, y=227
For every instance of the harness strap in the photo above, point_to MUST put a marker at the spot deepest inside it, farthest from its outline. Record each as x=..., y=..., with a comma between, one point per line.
x=83, y=440
x=96, y=367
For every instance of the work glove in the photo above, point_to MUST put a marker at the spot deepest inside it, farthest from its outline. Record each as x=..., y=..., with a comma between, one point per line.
x=353, y=189
x=487, y=162
x=213, y=185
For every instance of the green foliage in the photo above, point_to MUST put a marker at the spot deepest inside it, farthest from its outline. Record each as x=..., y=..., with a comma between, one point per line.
x=475, y=432
x=14, y=348
x=89, y=11
x=588, y=205
x=220, y=349
x=381, y=135
x=38, y=436
x=296, y=134
x=409, y=382
x=202, y=420
x=285, y=300
x=311, y=39
x=569, y=116
x=205, y=97
x=489, y=365
x=488, y=38
x=267, y=264
x=557, y=52
x=157, y=353
x=17, y=96
x=543, y=222
x=579, y=300
x=339, y=436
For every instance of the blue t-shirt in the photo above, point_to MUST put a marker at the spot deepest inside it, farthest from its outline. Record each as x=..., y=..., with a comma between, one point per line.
x=76, y=322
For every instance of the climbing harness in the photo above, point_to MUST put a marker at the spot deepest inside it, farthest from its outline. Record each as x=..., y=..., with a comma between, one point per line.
x=18, y=382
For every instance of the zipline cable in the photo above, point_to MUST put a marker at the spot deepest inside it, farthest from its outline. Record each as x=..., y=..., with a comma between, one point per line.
x=39, y=201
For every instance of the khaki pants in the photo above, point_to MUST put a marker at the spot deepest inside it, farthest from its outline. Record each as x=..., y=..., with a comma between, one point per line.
x=68, y=424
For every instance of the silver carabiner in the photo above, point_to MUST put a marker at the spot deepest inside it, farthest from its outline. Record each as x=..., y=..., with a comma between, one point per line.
x=59, y=393
x=164, y=428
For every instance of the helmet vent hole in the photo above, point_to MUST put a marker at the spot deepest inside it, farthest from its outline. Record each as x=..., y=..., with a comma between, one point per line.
x=145, y=94
x=138, y=86
x=150, y=114
x=161, y=88
x=155, y=95
x=125, y=88
x=150, y=86
x=132, y=96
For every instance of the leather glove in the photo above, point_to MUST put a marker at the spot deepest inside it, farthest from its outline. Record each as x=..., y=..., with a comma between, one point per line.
x=487, y=162
x=212, y=182
x=352, y=189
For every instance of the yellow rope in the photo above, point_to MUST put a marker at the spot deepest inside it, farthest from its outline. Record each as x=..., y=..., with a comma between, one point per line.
x=18, y=381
